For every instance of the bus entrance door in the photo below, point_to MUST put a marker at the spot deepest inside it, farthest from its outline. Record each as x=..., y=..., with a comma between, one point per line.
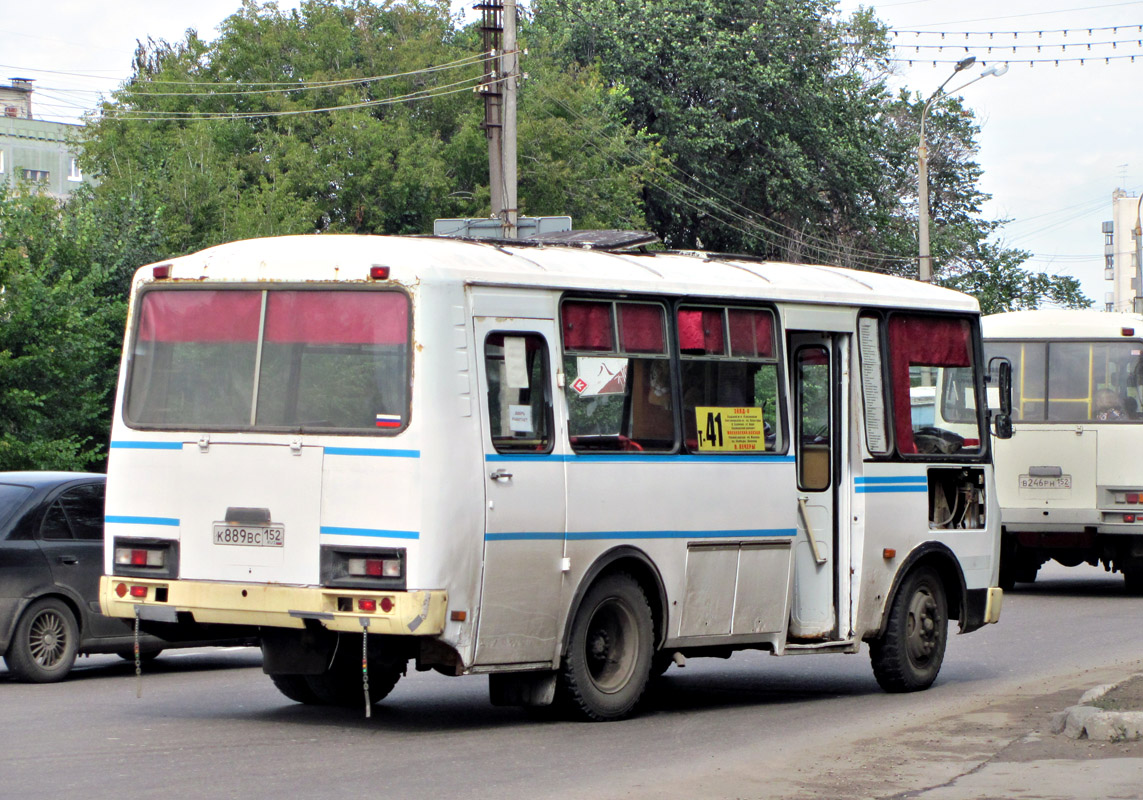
x=818, y=438
x=524, y=491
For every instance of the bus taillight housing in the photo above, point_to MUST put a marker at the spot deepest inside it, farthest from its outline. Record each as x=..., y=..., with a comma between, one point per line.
x=363, y=567
x=149, y=558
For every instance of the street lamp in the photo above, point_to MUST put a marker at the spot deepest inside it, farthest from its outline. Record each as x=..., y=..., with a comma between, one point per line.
x=925, y=258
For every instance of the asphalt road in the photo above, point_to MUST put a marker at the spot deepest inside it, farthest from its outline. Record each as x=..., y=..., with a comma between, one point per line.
x=210, y=724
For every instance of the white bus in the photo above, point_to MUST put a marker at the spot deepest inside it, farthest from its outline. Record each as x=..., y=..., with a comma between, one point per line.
x=1070, y=480
x=564, y=468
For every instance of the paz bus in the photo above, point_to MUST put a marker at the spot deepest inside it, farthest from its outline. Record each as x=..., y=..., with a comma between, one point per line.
x=566, y=468
x=1070, y=480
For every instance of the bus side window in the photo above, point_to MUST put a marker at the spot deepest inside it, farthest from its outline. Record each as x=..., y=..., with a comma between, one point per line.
x=728, y=367
x=927, y=352
x=519, y=397
x=618, y=376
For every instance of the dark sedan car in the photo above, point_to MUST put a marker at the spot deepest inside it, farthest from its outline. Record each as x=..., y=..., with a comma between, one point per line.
x=51, y=559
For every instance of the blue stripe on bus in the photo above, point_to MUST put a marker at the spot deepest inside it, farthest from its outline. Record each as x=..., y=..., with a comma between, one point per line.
x=639, y=458
x=375, y=452
x=333, y=530
x=892, y=479
x=890, y=489
x=583, y=536
x=122, y=445
x=169, y=521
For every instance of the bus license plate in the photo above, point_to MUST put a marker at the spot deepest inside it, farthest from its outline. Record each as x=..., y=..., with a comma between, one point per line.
x=1036, y=482
x=250, y=535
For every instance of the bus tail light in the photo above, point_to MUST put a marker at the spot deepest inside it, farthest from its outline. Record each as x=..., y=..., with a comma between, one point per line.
x=363, y=568
x=1132, y=497
x=139, y=557
x=1128, y=517
x=146, y=558
x=374, y=567
x=367, y=604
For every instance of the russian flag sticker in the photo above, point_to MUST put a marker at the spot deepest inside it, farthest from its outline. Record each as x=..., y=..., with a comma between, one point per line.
x=388, y=421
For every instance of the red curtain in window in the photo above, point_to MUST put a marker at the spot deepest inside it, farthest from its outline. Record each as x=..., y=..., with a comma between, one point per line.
x=199, y=316
x=641, y=328
x=751, y=333
x=700, y=331
x=330, y=317
x=922, y=342
x=587, y=326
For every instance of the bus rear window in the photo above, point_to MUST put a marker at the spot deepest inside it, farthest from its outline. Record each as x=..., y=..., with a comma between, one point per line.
x=270, y=359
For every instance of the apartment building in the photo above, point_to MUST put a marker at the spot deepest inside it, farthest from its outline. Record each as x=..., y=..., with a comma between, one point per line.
x=33, y=149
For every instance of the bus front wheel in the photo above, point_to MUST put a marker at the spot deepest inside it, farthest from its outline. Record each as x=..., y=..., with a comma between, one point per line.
x=908, y=655
x=608, y=663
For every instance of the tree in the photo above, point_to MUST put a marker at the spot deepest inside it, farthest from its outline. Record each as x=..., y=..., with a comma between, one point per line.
x=64, y=271
x=345, y=116
x=784, y=141
x=768, y=121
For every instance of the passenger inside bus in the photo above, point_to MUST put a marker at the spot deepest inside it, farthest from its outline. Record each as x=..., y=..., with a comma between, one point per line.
x=1107, y=406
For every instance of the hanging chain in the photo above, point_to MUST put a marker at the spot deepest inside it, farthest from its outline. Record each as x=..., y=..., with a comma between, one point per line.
x=138, y=659
x=365, y=666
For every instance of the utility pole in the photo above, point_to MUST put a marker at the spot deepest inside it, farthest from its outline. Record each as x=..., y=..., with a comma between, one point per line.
x=498, y=30
x=510, y=70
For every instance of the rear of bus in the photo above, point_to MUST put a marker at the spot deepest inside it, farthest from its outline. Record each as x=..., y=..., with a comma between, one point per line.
x=261, y=469
x=1069, y=481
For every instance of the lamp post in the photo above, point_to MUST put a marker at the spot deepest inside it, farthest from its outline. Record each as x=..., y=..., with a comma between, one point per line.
x=925, y=258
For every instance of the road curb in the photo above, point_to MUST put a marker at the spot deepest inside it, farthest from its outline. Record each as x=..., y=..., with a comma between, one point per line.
x=1089, y=721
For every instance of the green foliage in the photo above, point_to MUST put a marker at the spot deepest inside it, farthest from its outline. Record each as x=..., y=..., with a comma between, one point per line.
x=377, y=140
x=64, y=270
x=760, y=106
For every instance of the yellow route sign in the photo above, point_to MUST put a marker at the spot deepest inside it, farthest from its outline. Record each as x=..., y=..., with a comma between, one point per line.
x=730, y=430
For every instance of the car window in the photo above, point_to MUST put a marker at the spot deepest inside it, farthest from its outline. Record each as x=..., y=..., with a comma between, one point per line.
x=10, y=499
x=77, y=513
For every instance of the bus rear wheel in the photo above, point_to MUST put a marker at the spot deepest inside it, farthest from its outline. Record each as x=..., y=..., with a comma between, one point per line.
x=608, y=663
x=1133, y=581
x=342, y=684
x=909, y=654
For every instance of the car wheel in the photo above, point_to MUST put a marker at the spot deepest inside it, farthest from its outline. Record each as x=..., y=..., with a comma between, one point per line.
x=608, y=663
x=908, y=656
x=46, y=640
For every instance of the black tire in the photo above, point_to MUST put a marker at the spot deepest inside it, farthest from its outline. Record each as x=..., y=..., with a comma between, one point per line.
x=342, y=684
x=1133, y=581
x=45, y=643
x=908, y=656
x=146, y=657
x=608, y=663
x=296, y=688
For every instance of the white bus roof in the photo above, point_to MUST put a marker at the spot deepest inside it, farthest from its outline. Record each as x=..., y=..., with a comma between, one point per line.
x=420, y=259
x=1062, y=324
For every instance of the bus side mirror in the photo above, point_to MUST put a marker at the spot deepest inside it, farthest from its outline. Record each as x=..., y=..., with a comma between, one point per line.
x=1003, y=423
x=1002, y=419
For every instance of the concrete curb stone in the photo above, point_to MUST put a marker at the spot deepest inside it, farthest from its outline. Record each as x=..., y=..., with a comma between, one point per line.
x=1082, y=720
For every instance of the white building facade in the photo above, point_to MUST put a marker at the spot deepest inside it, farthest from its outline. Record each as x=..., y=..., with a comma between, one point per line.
x=1121, y=253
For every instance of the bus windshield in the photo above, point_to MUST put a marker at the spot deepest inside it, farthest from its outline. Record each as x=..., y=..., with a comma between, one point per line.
x=270, y=359
x=1073, y=381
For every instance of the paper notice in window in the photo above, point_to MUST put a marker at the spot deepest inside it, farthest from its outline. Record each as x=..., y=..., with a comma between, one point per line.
x=516, y=362
x=872, y=386
x=730, y=430
x=520, y=419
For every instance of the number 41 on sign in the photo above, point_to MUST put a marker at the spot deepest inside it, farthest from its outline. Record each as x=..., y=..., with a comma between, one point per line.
x=730, y=430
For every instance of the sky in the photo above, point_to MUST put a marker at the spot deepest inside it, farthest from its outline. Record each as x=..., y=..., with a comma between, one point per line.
x=1055, y=139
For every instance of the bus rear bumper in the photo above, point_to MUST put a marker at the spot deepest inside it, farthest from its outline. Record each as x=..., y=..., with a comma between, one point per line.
x=411, y=613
